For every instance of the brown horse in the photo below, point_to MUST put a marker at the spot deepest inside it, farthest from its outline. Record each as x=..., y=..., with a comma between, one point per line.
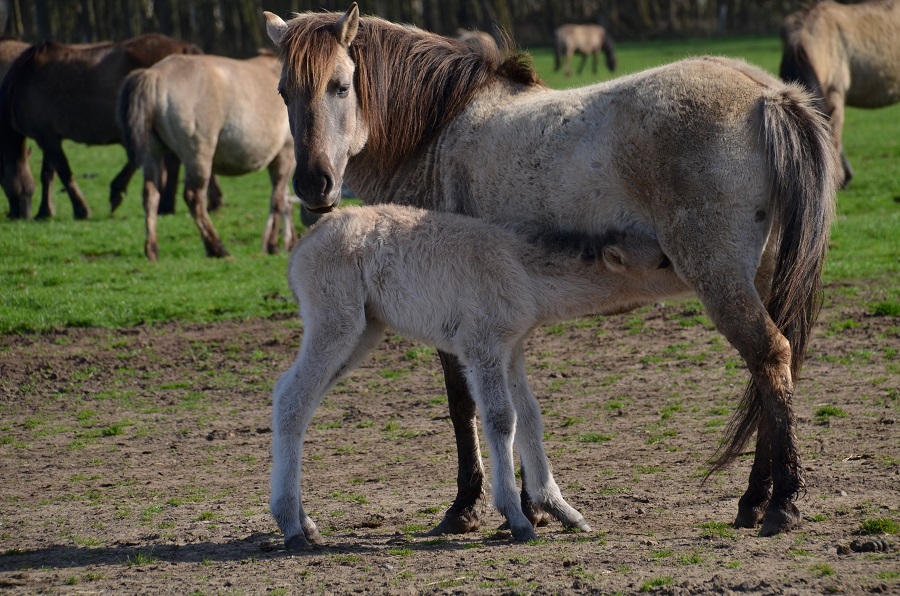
x=732, y=168
x=10, y=49
x=845, y=54
x=218, y=115
x=54, y=92
x=586, y=40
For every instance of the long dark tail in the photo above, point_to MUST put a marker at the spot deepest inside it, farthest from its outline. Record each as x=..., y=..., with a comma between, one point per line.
x=134, y=113
x=609, y=49
x=804, y=170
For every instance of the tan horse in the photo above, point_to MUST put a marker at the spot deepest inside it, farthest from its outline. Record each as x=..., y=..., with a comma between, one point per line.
x=219, y=116
x=846, y=54
x=54, y=92
x=733, y=169
x=586, y=40
x=352, y=281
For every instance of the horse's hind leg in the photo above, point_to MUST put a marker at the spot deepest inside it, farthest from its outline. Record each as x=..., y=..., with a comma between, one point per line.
x=331, y=348
x=537, y=479
x=462, y=516
x=169, y=183
x=47, y=209
x=196, y=181
x=279, y=208
x=119, y=185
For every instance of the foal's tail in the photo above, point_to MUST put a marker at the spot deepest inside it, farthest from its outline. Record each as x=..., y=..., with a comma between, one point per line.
x=609, y=49
x=804, y=172
x=134, y=113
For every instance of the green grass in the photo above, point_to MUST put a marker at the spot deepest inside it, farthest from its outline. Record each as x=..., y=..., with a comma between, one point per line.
x=66, y=273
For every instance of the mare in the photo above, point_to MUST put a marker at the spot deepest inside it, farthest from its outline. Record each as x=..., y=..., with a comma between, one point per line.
x=54, y=92
x=846, y=55
x=353, y=278
x=732, y=168
x=217, y=115
x=586, y=40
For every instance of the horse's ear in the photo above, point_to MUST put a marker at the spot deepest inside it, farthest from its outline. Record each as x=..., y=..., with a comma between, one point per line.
x=275, y=27
x=348, y=25
x=614, y=258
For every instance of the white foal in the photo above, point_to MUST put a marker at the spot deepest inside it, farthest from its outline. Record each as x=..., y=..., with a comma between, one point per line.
x=465, y=286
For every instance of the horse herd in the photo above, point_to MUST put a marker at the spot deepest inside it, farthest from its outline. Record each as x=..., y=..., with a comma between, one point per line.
x=707, y=175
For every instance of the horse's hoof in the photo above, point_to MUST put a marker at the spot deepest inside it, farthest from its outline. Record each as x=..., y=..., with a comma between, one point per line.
x=297, y=542
x=457, y=522
x=580, y=525
x=749, y=517
x=524, y=533
x=82, y=214
x=777, y=521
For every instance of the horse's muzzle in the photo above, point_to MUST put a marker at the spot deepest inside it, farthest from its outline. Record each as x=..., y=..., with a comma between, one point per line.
x=317, y=191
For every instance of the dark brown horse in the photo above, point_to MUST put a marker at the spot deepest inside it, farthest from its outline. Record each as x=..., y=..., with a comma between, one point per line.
x=54, y=92
x=845, y=54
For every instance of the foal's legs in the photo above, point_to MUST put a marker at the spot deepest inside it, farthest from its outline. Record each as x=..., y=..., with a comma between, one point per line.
x=488, y=378
x=330, y=349
x=539, y=482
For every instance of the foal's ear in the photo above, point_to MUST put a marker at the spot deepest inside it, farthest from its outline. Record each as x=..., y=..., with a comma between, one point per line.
x=275, y=26
x=348, y=25
x=614, y=258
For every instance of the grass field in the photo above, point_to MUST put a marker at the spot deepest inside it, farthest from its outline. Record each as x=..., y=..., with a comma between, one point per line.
x=62, y=273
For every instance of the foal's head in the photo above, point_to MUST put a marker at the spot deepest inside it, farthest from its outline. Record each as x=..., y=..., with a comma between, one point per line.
x=317, y=86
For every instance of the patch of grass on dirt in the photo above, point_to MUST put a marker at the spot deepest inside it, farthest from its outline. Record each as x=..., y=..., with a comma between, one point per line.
x=824, y=414
x=881, y=525
x=665, y=580
x=717, y=530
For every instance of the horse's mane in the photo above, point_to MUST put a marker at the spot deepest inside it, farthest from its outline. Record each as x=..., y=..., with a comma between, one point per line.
x=432, y=77
x=795, y=65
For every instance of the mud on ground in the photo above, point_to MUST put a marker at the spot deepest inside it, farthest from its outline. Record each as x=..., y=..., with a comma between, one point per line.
x=137, y=460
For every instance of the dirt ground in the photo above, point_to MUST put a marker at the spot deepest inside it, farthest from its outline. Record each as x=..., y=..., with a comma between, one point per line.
x=137, y=460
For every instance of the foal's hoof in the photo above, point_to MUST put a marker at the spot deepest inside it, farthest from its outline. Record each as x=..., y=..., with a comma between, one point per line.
x=780, y=520
x=457, y=521
x=297, y=542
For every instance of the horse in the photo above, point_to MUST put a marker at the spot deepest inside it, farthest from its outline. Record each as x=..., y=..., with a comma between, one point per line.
x=217, y=115
x=731, y=167
x=846, y=55
x=10, y=49
x=54, y=92
x=586, y=40
x=360, y=270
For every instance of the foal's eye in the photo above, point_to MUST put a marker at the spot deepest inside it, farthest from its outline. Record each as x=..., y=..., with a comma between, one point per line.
x=343, y=90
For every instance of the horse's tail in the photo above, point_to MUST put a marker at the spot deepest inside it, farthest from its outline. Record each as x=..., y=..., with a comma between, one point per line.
x=804, y=172
x=134, y=113
x=609, y=49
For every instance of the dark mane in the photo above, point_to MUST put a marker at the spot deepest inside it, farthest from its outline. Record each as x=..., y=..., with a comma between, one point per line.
x=434, y=77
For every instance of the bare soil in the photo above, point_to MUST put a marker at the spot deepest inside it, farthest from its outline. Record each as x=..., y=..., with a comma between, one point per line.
x=137, y=460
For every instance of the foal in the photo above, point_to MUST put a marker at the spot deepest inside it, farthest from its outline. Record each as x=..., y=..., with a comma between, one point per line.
x=466, y=286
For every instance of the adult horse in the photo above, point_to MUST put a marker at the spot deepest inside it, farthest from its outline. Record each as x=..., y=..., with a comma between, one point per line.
x=54, y=92
x=586, y=40
x=218, y=115
x=845, y=54
x=733, y=168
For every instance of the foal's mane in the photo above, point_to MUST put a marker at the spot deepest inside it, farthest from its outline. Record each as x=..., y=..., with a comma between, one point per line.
x=410, y=82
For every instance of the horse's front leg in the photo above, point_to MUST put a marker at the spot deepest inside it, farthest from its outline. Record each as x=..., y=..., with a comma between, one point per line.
x=46, y=209
x=57, y=160
x=462, y=515
x=279, y=207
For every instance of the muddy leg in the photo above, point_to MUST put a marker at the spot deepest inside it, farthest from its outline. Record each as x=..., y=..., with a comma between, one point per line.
x=195, y=185
x=462, y=516
x=752, y=505
x=151, y=209
x=279, y=208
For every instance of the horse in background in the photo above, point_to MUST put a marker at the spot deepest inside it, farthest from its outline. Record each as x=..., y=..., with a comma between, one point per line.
x=54, y=92
x=218, y=116
x=846, y=55
x=10, y=49
x=352, y=282
x=732, y=168
x=586, y=40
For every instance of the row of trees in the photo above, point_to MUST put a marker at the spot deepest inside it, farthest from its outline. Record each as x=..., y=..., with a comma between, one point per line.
x=235, y=27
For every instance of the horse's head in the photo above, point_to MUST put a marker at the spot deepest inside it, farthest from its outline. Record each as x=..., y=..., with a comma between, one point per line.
x=317, y=85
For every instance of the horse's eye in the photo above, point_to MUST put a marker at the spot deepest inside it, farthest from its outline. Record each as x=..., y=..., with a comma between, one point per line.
x=343, y=90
